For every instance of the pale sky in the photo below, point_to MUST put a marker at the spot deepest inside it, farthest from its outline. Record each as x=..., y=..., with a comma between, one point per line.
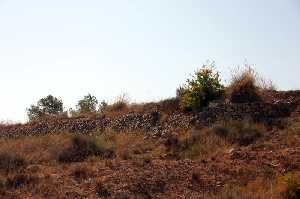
x=146, y=48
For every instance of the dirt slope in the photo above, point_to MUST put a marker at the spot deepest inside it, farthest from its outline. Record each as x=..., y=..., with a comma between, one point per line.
x=251, y=171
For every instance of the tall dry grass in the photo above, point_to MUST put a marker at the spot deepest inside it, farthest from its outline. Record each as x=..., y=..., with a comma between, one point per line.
x=244, y=86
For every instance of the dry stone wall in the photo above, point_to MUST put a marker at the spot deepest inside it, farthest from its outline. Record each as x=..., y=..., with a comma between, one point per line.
x=268, y=113
x=151, y=122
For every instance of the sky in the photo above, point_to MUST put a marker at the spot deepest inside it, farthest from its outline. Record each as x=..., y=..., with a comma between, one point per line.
x=69, y=48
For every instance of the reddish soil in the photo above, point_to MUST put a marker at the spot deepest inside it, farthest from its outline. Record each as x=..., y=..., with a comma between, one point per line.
x=142, y=177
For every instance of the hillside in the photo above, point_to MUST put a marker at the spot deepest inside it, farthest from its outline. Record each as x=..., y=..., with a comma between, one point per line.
x=157, y=150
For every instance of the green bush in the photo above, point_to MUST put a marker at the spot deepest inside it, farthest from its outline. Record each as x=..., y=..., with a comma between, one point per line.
x=204, y=87
x=88, y=104
x=293, y=186
x=47, y=106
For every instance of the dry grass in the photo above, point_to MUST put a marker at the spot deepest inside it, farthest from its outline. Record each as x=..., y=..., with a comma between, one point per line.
x=64, y=147
x=82, y=147
x=43, y=176
x=241, y=132
x=19, y=180
x=244, y=86
x=260, y=188
x=121, y=104
x=195, y=145
x=82, y=173
x=38, y=149
x=33, y=166
x=133, y=145
x=11, y=162
x=45, y=149
x=205, y=143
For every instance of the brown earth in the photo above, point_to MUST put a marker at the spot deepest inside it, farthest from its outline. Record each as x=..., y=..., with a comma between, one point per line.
x=151, y=169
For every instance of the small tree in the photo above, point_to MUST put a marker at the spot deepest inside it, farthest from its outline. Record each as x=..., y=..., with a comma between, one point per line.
x=45, y=107
x=87, y=104
x=204, y=87
x=102, y=106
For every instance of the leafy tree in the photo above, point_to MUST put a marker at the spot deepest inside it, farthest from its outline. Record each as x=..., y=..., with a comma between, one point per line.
x=204, y=87
x=45, y=107
x=87, y=104
x=34, y=112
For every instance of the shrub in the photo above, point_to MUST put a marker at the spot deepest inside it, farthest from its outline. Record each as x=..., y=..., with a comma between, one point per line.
x=241, y=132
x=180, y=92
x=293, y=186
x=120, y=103
x=244, y=86
x=204, y=87
x=83, y=147
x=87, y=104
x=10, y=162
x=47, y=106
x=102, y=107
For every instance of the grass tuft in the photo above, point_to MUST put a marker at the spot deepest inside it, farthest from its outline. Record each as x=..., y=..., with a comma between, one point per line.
x=82, y=147
x=244, y=86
